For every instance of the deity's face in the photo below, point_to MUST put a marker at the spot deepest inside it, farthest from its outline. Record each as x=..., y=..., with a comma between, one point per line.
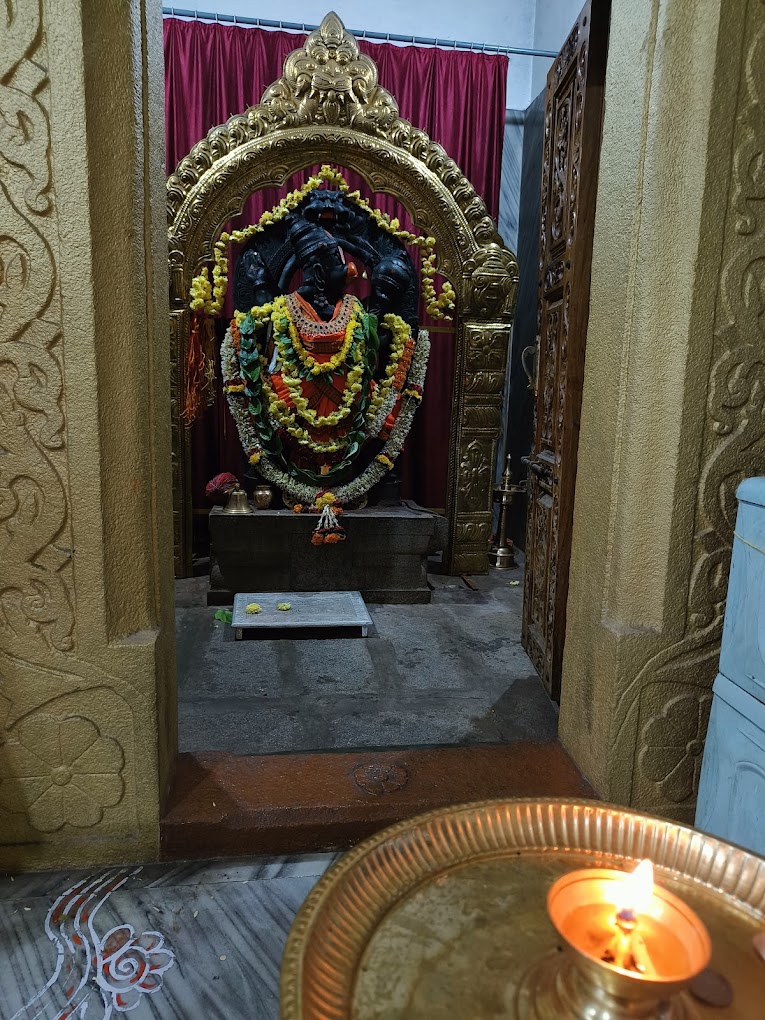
x=386, y=289
x=389, y=283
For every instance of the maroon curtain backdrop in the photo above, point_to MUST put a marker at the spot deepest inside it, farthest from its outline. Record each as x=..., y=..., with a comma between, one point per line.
x=214, y=71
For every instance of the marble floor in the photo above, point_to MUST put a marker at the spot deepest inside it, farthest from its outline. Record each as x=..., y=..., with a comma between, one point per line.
x=449, y=673
x=167, y=942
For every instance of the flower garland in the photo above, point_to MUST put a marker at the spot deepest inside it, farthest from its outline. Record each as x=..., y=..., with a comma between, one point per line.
x=351, y=392
x=286, y=340
x=387, y=392
x=358, y=487
x=281, y=317
x=208, y=298
x=329, y=530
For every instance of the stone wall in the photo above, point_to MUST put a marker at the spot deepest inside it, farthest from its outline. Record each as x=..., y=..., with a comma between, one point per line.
x=519, y=419
x=87, y=711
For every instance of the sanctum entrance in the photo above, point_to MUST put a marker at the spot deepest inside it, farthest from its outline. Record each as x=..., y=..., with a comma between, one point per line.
x=426, y=673
x=87, y=652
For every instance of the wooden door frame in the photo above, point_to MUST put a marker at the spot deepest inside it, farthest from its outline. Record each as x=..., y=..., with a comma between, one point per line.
x=583, y=59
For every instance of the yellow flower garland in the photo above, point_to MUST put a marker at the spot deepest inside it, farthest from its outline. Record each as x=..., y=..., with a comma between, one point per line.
x=399, y=334
x=209, y=299
x=280, y=412
x=283, y=414
x=352, y=390
x=201, y=292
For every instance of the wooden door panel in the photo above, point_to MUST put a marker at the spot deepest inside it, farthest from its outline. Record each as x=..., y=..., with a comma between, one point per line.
x=572, y=133
x=536, y=582
x=560, y=192
x=552, y=322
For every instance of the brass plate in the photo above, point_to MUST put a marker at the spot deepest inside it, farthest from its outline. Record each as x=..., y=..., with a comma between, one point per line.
x=443, y=916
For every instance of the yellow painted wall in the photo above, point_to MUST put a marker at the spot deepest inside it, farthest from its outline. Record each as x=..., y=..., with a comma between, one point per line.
x=672, y=408
x=87, y=709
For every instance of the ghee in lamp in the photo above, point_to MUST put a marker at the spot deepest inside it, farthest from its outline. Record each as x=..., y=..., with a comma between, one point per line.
x=622, y=926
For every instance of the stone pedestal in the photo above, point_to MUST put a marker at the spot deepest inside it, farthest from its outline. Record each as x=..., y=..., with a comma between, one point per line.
x=384, y=556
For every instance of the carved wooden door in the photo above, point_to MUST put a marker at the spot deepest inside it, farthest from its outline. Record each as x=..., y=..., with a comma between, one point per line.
x=572, y=132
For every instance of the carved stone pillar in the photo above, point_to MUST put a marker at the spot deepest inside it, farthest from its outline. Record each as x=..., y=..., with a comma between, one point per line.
x=672, y=417
x=484, y=328
x=87, y=713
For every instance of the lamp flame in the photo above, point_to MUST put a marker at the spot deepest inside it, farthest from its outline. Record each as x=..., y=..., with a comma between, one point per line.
x=637, y=890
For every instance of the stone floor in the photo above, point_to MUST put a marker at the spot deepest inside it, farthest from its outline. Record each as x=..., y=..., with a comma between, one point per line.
x=180, y=942
x=449, y=673
x=171, y=942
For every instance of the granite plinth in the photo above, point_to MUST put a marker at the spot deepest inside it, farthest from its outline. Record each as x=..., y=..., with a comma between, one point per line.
x=335, y=610
x=385, y=555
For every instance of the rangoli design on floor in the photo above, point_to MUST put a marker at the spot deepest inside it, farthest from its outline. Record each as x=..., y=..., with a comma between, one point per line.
x=94, y=976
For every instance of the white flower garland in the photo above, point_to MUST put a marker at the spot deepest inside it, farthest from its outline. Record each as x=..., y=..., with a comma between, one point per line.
x=358, y=487
x=375, y=425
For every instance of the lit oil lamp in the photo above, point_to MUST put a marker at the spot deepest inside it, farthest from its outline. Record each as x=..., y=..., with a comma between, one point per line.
x=631, y=947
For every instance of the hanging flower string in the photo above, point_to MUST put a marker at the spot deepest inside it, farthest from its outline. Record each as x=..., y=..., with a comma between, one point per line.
x=200, y=369
x=328, y=531
x=207, y=297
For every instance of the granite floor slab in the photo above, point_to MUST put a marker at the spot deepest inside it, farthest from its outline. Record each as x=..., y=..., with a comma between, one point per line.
x=452, y=672
x=168, y=941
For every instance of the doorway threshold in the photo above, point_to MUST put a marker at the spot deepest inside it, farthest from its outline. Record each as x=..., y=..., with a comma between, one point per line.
x=227, y=805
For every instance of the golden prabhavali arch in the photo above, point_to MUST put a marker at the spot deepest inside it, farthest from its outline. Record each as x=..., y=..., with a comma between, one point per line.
x=328, y=106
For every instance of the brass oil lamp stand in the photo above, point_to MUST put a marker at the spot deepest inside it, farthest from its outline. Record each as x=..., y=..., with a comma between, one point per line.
x=502, y=555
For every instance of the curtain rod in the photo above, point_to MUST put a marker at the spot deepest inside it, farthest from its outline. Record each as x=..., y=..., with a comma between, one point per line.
x=413, y=40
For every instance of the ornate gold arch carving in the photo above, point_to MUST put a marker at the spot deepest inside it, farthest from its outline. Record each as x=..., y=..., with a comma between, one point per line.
x=329, y=107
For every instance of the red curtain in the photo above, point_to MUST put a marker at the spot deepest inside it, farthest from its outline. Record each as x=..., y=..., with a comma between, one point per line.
x=213, y=72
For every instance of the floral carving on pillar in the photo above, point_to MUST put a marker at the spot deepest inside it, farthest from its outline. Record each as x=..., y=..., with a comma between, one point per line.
x=34, y=516
x=60, y=771
x=673, y=743
x=475, y=474
x=733, y=448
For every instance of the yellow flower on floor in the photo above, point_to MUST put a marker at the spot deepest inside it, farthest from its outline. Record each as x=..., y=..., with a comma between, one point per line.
x=253, y=608
x=284, y=606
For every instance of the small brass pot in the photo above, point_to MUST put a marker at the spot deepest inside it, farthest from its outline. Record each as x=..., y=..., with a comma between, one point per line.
x=263, y=496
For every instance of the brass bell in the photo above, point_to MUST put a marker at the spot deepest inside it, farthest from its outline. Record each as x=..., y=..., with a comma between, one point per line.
x=237, y=502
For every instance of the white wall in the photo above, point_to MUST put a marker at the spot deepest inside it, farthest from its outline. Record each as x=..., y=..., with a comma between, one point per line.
x=502, y=22
x=553, y=20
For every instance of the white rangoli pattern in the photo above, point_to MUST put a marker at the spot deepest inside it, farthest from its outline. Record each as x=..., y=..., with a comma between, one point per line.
x=94, y=976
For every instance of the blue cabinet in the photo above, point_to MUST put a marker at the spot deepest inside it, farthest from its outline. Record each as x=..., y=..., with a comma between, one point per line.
x=731, y=802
